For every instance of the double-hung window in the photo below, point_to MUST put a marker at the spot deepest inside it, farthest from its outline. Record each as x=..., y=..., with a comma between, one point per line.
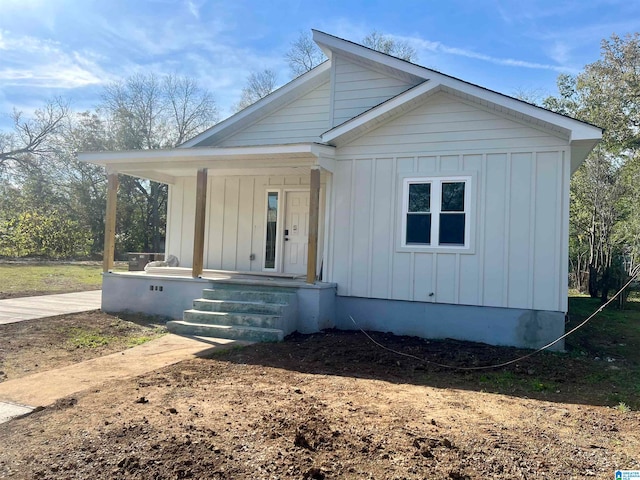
x=435, y=212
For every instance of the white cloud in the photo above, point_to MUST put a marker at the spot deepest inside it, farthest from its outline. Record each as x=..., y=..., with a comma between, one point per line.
x=194, y=9
x=437, y=47
x=40, y=63
x=560, y=52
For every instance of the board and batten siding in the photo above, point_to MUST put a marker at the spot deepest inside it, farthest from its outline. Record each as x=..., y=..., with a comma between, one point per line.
x=235, y=218
x=519, y=216
x=357, y=89
x=302, y=120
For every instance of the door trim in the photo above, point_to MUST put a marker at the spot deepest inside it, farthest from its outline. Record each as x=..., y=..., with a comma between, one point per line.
x=280, y=220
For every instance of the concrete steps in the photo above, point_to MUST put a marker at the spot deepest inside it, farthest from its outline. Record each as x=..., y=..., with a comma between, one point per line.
x=251, y=334
x=258, y=313
x=247, y=319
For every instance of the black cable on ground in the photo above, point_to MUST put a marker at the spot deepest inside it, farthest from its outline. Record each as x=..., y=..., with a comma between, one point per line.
x=504, y=364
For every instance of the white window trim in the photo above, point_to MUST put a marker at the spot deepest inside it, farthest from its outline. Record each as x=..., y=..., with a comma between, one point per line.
x=436, y=182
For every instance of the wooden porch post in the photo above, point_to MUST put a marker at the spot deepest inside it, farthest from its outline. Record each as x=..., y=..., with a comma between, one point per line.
x=314, y=210
x=110, y=222
x=198, y=234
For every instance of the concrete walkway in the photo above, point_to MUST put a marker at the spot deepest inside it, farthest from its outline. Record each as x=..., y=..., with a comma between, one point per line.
x=22, y=395
x=18, y=309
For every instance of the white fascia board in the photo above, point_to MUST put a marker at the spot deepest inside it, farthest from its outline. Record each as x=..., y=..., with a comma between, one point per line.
x=329, y=43
x=578, y=130
x=179, y=155
x=388, y=107
x=265, y=105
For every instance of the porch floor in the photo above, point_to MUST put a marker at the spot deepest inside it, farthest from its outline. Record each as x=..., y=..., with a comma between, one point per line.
x=228, y=276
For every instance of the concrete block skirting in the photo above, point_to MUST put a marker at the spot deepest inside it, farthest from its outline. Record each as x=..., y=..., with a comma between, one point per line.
x=496, y=326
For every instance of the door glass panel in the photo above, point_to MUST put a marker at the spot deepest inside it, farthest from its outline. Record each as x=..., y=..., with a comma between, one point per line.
x=270, y=241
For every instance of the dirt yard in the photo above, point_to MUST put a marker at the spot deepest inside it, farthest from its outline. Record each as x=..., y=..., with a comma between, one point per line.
x=334, y=406
x=39, y=345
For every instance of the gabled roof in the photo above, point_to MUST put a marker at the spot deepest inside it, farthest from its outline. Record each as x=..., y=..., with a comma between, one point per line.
x=263, y=107
x=581, y=135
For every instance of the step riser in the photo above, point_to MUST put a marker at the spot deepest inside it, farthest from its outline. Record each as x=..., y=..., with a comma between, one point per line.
x=240, y=312
x=247, y=296
x=231, y=319
x=237, y=307
x=233, y=333
x=217, y=285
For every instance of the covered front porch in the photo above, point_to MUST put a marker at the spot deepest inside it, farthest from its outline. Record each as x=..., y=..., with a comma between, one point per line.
x=242, y=219
x=215, y=192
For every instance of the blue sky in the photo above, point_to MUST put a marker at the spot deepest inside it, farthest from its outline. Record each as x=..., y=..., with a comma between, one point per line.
x=72, y=48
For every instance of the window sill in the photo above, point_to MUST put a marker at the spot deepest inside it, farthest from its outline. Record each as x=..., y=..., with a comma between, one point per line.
x=434, y=249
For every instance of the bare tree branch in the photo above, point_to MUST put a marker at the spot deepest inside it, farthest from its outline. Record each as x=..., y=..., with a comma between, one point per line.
x=385, y=44
x=259, y=85
x=304, y=55
x=34, y=137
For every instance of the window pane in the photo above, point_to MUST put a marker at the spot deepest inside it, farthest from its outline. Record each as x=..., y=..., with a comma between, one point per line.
x=453, y=197
x=419, y=228
x=451, y=229
x=419, y=197
x=270, y=241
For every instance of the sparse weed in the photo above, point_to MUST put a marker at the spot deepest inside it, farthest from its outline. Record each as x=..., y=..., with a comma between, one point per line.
x=623, y=407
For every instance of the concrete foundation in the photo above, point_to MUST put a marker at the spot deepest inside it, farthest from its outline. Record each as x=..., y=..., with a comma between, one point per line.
x=166, y=297
x=496, y=326
x=318, y=308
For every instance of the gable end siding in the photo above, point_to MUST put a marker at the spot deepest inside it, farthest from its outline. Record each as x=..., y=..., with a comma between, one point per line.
x=302, y=120
x=357, y=89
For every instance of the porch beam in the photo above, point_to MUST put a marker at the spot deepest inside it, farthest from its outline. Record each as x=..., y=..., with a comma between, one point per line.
x=314, y=211
x=198, y=234
x=110, y=223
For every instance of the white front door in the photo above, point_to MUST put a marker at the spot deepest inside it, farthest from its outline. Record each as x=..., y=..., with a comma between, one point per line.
x=296, y=232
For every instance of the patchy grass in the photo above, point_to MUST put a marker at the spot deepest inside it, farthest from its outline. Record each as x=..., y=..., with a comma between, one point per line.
x=23, y=279
x=601, y=364
x=135, y=341
x=43, y=344
x=81, y=338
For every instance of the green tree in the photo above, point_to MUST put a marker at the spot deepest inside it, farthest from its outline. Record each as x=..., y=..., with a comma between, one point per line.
x=39, y=234
x=604, y=212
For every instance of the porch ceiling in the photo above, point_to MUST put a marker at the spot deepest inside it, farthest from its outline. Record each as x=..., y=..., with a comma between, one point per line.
x=167, y=165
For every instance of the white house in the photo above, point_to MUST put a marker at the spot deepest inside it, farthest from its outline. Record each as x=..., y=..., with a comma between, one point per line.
x=410, y=200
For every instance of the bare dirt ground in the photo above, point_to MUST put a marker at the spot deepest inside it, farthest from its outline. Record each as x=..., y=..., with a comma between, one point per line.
x=334, y=406
x=39, y=345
